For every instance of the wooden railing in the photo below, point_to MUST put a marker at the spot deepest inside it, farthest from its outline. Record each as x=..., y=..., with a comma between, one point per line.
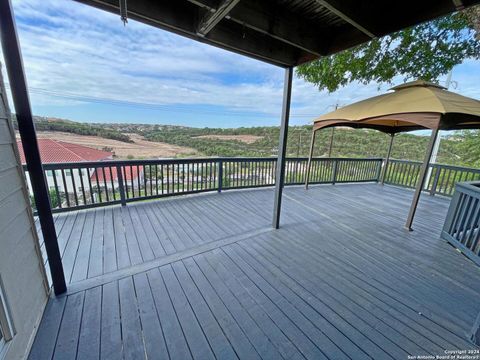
x=89, y=184
x=462, y=225
x=441, y=181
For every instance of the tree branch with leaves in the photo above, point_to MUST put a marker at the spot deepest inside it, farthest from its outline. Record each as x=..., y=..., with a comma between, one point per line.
x=426, y=51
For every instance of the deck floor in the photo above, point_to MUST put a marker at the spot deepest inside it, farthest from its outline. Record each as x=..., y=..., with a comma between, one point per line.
x=206, y=277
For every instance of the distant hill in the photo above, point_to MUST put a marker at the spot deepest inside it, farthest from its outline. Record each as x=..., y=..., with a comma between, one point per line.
x=459, y=148
x=63, y=125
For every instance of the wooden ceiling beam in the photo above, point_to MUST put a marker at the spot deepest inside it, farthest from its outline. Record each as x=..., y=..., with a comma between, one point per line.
x=338, y=8
x=280, y=24
x=181, y=17
x=214, y=16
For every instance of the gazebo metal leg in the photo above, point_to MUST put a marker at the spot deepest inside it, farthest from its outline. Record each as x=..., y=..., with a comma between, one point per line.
x=387, y=159
x=421, y=180
x=282, y=147
x=310, y=156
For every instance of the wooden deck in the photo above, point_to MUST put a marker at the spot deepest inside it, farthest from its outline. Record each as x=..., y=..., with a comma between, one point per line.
x=206, y=277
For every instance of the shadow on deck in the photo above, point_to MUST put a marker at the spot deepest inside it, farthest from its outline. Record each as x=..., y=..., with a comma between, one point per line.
x=206, y=277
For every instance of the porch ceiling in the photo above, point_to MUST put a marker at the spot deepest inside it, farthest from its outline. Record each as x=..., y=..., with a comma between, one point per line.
x=283, y=32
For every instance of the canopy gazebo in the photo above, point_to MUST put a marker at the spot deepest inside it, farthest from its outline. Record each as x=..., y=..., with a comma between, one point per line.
x=411, y=106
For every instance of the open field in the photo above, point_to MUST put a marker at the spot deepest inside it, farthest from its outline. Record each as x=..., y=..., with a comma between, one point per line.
x=248, y=139
x=140, y=148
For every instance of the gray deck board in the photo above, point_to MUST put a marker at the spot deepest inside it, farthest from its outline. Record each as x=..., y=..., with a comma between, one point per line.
x=204, y=277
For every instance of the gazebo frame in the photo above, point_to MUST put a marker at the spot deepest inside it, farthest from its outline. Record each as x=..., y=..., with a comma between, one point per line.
x=405, y=111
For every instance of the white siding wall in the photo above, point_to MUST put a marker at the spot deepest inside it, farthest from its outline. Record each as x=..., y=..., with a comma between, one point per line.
x=21, y=267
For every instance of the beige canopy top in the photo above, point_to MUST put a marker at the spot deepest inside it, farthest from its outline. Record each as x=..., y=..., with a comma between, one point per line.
x=411, y=106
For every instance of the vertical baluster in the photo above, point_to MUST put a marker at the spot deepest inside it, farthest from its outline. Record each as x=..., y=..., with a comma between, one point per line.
x=442, y=172
x=162, y=177
x=80, y=173
x=448, y=185
x=150, y=182
x=189, y=178
x=122, y=172
x=183, y=177
x=364, y=170
x=471, y=224
x=334, y=171
x=57, y=191
x=132, y=180
x=360, y=165
x=398, y=173
x=205, y=174
x=65, y=188
x=295, y=171
x=72, y=176
x=468, y=218
x=145, y=179
x=407, y=178
x=156, y=179
x=249, y=173
x=105, y=184
x=90, y=188
x=98, y=185
x=403, y=172
x=168, y=177
x=274, y=175
x=406, y=175
x=174, y=173
x=138, y=181
x=393, y=172
x=112, y=184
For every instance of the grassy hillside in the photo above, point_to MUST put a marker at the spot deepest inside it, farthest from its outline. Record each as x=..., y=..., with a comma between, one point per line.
x=53, y=124
x=459, y=148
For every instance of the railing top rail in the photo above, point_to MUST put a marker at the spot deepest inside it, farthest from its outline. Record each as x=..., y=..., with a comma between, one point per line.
x=469, y=186
x=464, y=168
x=111, y=163
x=406, y=161
x=437, y=165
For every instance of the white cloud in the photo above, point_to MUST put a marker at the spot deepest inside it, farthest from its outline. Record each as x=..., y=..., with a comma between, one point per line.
x=72, y=48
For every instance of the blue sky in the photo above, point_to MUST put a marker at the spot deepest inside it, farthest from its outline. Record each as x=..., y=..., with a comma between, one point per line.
x=83, y=64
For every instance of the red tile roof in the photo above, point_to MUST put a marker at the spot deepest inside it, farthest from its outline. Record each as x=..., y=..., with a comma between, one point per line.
x=53, y=151
x=131, y=173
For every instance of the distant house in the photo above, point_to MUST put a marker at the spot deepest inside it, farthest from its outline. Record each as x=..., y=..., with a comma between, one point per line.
x=133, y=176
x=54, y=151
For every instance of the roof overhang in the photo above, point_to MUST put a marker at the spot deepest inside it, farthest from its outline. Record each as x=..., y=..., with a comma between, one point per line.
x=282, y=32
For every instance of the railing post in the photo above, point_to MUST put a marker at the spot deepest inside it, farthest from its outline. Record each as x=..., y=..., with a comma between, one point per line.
x=220, y=175
x=433, y=190
x=121, y=186
x=379, y=170
x=334, y=172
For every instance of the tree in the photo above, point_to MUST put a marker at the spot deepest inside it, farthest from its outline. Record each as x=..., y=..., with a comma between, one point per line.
x=426, y=51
